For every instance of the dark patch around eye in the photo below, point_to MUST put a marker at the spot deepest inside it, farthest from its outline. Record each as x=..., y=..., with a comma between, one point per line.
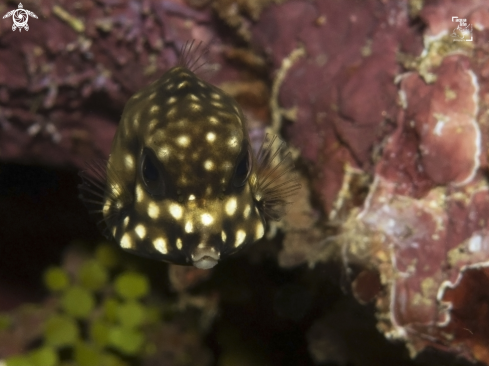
x=243, y=170
x=151, y=174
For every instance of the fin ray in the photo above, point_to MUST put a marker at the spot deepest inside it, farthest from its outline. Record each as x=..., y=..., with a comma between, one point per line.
x=275, y=179
x=94, y=194
x=191, y=55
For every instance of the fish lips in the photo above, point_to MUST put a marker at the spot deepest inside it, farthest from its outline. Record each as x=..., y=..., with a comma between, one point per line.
x=205, y=258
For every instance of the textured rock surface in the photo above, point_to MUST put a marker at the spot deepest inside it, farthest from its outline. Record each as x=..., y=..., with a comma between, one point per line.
x=64, y=83
x=342, y=90
x=377, y=106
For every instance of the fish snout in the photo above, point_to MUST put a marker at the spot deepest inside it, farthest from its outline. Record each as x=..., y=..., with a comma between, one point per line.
x=205, y=258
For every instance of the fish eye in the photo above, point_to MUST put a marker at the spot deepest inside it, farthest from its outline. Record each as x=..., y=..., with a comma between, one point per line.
x=243, y=170
x=151, y=174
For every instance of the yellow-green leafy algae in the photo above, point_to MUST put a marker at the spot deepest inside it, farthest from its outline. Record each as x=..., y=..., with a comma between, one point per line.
x=60, y=330
x=78, y=302
x=56, y=279
x=93, y=275
x=131, y=285
x=99, y=312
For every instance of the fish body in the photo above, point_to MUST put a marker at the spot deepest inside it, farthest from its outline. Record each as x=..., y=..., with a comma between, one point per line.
x=182, y=184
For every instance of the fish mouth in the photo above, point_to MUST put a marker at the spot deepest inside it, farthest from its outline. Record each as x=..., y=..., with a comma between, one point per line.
x=205, y=258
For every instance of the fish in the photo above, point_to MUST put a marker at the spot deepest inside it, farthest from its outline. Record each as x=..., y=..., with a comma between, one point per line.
x=182, y=183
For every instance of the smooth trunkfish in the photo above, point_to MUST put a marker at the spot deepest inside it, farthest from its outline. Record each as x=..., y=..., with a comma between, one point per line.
x=181, y=183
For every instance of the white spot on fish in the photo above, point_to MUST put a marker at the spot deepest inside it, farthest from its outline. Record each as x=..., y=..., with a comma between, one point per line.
x=183, y=140
x=176, y=211
x=139, y=193
x=207, y=219
x=208, y=165
x=179, y=244
x=216, y=104
x=189, y=227
x=153, y=210
x=160, y=245
x=233, y=142
x=126, y=241
x=183, y=84
x=211, y=136
x=195, y=106
x=152, y=124
x=106, y=207
x=246, y=211
x=129, y=161
x=116, y=189
x=231, y=206
x=260, y=231
x=163, y=153
x=240, y=238
x=140, y=231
